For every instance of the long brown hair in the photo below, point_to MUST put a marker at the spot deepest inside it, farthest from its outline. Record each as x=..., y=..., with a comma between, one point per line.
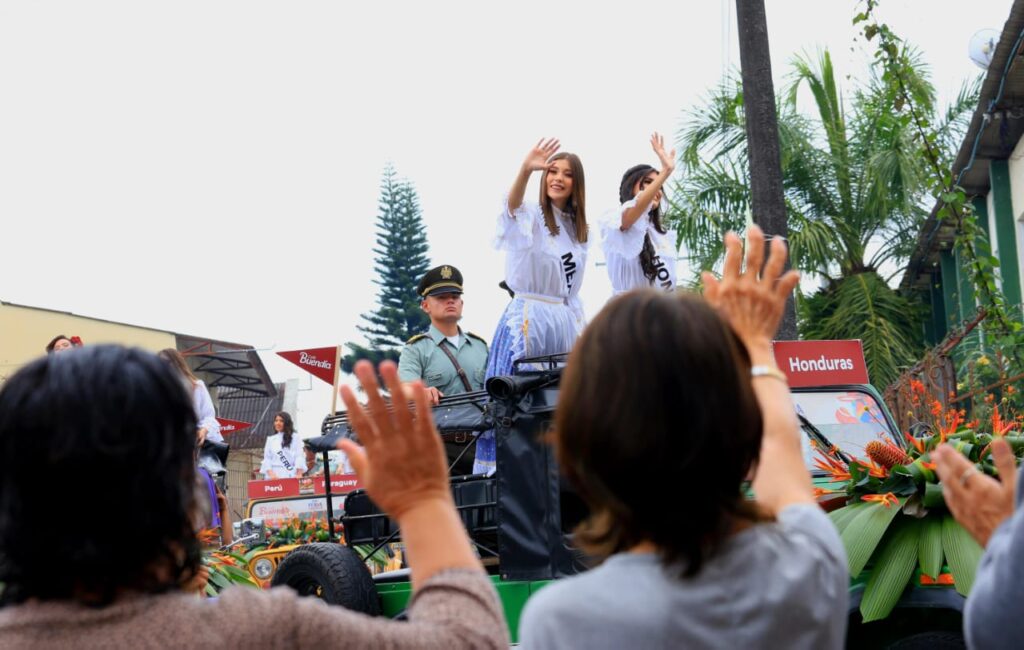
x=681, y=420
x=177, y=361
x=632, y=176
x=575, y=207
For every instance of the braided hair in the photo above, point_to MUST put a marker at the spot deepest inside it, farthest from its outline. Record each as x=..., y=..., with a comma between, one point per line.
x=633, y=176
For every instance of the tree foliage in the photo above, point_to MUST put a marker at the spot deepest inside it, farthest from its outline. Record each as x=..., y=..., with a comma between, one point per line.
x=855, y=188
x=401, y=259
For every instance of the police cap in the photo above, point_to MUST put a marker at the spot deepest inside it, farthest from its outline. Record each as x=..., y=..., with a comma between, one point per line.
x=438, y=280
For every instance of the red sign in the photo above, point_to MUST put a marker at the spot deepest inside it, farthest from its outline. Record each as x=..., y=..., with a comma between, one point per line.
x=317, y=361
x=293, y=487
x=232, y=426
x=821, y=363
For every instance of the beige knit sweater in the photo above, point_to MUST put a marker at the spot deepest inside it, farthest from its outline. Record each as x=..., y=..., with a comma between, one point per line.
x=453, y=609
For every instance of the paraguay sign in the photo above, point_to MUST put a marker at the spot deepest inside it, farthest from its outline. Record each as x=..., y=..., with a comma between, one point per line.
x=821, y=363
x=317, y=361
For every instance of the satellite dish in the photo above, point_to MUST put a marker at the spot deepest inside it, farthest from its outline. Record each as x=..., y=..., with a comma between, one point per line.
x=983, y=46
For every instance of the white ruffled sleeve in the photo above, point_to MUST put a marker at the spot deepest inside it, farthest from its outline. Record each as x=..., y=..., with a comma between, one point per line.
x=614, y=240
x=515, y=228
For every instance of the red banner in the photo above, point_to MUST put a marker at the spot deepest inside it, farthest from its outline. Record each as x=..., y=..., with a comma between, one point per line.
x=232, y=426
x=293, y=487
x=317, y=361
x=821, y=363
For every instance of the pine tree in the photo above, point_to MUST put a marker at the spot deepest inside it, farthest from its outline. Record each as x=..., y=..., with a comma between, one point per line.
x=401, y=260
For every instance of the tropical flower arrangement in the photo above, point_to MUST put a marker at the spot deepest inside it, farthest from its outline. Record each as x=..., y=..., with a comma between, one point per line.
x=895, y=517
x=226, y=567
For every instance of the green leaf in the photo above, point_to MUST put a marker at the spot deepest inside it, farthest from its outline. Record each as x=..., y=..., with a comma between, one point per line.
x=933, y=496
x=219, y=581
x=863, y=533
x=895, y=565
x=962, y=554
x=929, y=550
x=842, y=517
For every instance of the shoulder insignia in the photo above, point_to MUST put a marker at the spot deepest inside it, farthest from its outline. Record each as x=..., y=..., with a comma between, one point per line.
x=477, y=337
x=416, y=338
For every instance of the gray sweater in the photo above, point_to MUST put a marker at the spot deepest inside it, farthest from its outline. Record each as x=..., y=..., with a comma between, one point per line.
x=453, y=609
x=773, y=585
x=992, y=617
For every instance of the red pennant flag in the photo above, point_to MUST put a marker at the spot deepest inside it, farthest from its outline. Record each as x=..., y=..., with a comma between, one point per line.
x=317, y=361
x=232, y=426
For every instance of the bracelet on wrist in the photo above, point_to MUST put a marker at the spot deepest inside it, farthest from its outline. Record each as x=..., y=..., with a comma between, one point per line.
x=768, y=371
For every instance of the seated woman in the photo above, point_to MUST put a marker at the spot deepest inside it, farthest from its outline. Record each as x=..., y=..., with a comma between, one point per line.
x=660, y=454
x=118, y=424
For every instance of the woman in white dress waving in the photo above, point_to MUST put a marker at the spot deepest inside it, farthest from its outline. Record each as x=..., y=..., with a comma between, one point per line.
x=639, y=249
x=545, y=244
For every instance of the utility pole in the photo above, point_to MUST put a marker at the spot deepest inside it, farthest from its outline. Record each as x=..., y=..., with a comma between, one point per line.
x=769, y=207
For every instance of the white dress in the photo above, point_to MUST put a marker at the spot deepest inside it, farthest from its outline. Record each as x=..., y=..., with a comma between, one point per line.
x=206, y=417
x=622, y=251
x=545, y=271
x=284, y=462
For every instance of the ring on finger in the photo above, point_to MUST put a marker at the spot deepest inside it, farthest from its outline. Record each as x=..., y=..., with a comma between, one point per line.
x=968, y=473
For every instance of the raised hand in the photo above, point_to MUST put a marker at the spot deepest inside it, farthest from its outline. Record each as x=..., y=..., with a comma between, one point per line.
x=668, y=160
x=401, y=462
x=979, y=502
x=537, y=158
x=752, y=300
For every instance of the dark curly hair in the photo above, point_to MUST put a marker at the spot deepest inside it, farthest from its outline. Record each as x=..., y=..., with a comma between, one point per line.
x=96, y=493
x=684, y=420
x=632, y=176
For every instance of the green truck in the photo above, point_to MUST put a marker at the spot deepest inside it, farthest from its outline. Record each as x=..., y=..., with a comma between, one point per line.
x=521, y=519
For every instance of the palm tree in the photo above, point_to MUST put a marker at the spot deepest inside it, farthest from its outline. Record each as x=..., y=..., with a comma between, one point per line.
x=855, y=190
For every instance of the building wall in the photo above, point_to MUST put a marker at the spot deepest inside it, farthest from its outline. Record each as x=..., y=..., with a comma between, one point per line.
x=1016, y=164
x=25, y=331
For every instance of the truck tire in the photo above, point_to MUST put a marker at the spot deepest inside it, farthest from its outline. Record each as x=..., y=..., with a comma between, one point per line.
x=332, y=572
x=930, y=641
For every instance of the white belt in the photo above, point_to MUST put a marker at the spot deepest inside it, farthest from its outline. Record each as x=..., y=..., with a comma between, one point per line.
x=540, y=298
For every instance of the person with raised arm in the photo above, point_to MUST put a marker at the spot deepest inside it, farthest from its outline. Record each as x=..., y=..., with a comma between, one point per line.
x=989, y=510
x=545, y=244
x=701, y=407
x=639, y=250
x=121, y=422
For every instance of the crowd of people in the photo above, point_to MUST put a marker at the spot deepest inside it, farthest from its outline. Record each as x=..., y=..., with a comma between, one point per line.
x=716, y=569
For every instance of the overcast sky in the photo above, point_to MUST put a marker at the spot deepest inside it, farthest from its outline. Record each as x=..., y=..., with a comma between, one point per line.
x=212, y=168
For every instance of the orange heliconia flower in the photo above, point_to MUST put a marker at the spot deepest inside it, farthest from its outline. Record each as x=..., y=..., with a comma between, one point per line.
x=999, y=425
x=888, y=499
x=916, y=442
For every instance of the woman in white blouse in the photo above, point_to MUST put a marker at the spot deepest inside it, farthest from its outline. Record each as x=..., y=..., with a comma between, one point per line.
x=545, y=246
x=639, y=250
x=207, y=426
x=283, y=456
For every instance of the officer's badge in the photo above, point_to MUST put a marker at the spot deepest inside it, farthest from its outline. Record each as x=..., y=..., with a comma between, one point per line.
x=446, y=272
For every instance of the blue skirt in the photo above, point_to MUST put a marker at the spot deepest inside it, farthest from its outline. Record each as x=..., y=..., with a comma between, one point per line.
x=499, y=363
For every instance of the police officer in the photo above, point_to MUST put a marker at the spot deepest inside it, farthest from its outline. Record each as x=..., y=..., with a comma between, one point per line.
x=445, y=358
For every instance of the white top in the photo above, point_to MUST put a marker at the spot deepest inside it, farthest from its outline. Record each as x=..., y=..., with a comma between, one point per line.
x=782, y=584
x=622, y=251
x=206, y=417
x=283, y=462
x=540, y=265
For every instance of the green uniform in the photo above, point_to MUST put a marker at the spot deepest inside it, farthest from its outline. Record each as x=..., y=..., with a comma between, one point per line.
x=423, y=359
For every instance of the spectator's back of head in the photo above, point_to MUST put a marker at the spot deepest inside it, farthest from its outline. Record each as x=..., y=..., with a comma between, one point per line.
x=96, y=490
x=657, y=425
